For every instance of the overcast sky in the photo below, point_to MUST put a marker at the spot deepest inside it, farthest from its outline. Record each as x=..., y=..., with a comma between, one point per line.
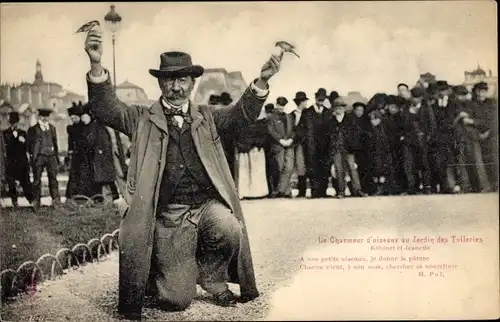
x=346, y=46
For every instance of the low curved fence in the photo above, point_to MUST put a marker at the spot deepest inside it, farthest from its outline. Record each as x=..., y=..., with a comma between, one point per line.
x=30, y=274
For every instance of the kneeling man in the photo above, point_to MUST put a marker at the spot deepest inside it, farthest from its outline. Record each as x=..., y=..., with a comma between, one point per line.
x=184, y=224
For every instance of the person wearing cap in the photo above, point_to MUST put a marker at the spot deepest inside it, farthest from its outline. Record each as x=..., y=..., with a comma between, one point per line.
x=486, y=113
x=17, y=164
x=316, y=121
x=180, y=192
x=442, y=150
x=44, y=154
x=404, y=91
x=472, y=171
x=415, y=147
x=344, y=139
x=281, y=131
x=214, y=100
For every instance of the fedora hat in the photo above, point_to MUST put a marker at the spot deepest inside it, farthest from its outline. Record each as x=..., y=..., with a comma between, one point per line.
x=300, y=97
x=281, y=101
x=321, y=93
x=176, y=63
x=45, y=111
x=442, y=85
x=213, y=99
x=225, y=98
x=356, y=104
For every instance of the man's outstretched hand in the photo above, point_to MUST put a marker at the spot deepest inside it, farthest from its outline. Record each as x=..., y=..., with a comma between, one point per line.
x=269, y=69
x=93, y=47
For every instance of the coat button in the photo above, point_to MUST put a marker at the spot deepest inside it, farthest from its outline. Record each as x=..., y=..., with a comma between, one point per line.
x=181, y=166
x=100, y=151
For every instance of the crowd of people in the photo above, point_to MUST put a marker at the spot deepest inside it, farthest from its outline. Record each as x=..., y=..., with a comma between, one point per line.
x=432, y=138
x=93, y=157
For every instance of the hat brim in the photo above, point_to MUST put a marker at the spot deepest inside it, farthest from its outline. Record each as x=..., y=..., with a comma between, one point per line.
x=195, y=71
x=358, y=104
x=300, y=100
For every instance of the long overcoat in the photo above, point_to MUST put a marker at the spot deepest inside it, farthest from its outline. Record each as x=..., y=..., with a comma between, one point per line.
x=147, y=128
x=99, y=140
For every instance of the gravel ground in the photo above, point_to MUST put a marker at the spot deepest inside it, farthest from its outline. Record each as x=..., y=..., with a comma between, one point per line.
x=280, y=231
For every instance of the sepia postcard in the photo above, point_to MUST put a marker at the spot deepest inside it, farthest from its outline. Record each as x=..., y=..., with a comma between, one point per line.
x=302, y=160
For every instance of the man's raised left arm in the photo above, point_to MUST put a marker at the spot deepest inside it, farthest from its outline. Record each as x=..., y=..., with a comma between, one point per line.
x=249, y=106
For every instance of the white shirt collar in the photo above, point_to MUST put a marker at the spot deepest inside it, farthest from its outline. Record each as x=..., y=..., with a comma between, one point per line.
x=185, y=106
x=43, y=124
x=340, y=117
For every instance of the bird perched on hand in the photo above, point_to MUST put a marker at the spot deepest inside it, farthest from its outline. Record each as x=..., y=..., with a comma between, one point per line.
x=88, y=26
x=286, y=47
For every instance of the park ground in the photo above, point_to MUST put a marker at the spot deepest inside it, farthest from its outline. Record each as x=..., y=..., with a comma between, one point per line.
x=284, y=233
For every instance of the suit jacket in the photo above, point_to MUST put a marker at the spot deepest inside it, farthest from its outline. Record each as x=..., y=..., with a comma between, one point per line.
x=316, y=143
x=344, y=136
x=148, y=129
x=444, y=117
x=280, y=126
x=15, y=149
x=34, y=137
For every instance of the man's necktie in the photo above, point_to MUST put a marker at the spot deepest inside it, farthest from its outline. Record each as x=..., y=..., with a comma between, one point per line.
x=170, y=113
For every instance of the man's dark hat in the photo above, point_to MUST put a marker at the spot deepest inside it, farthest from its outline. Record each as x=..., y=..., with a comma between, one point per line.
x=176, y=63
x=300, y=97
x=481, y=85
x=393, y=99
x=269, y=107
x=13, y=117
x=225, y=98
x=442, y=85
x=333, y=95
x=281, y=101
x=356, y=104
x=45, y=111
x=460, y=90
x=321, y=93
x=214, y=99
x=417, y=92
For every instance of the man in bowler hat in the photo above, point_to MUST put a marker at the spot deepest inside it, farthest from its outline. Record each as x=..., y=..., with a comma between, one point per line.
x=316, y=121
x=44, y=154
x=17, y=165
x=184, y=224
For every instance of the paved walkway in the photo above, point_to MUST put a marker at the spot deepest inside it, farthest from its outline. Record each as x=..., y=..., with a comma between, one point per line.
x=284, y=231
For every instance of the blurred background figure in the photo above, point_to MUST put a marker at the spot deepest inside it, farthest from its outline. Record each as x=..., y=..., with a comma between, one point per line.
x=17, y=164
x=300, y=101
x=44, y=154
x=380, y=152
x=75, y=135
x=362, y=122
x=3, y=165
x=101, y=147
x=214, y=101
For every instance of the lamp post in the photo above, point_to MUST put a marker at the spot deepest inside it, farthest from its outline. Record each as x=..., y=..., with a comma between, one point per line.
x=112, y=20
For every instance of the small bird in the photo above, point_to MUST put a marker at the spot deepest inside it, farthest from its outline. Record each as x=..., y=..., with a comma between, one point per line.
x=88, y=26
x=286, y=47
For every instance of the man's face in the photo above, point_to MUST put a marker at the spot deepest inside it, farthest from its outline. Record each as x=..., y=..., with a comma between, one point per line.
x=359, y=111
x=75, y=119
x=303, y=105
x=320, y=101
x=43, y=118
x=462, y=97
x=280, y=108
x=176, y=90
x=339, y=110
x=481, y=94
x=417, y=100
x=403, y=92
x=443, y=93
x=393, y=109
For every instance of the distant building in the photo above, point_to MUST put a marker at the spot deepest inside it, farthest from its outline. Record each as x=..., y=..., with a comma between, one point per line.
x=132, y=94
x=26, y=98
x=216, y=81
x=479, y=75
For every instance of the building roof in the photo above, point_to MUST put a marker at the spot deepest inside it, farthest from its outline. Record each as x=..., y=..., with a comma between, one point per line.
x=127, y=84
x=477, y=71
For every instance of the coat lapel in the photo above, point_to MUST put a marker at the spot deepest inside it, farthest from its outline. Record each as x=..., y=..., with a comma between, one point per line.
x=157, y=116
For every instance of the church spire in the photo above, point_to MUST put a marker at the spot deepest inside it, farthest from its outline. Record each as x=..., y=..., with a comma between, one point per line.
x=38, y=74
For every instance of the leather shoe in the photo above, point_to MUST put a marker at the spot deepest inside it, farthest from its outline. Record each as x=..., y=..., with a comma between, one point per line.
x=226, y=298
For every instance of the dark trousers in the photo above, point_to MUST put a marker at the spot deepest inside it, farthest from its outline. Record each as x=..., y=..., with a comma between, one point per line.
x=398, y=181
x=442, y=158
x=416, y=159
x=365, y=177
x=319, y=180
x=345, y=161
x=193, y=244
x=472, y=171
x=50, y=163
x=272, y=171
x=21, y=174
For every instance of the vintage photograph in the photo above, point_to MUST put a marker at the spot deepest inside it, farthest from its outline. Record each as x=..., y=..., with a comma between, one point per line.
x=187, y=161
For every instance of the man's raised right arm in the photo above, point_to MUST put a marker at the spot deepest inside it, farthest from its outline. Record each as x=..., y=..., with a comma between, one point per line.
x=104, y=103
x=106, y=106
